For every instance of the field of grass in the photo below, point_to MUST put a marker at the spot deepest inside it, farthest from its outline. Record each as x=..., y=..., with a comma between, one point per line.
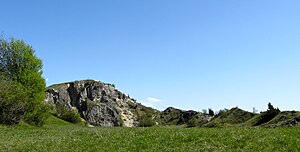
x=58, y=135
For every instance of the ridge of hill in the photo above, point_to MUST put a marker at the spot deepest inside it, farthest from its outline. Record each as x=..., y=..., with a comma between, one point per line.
x=234, y=116
x=101, y=104
x=98, y=103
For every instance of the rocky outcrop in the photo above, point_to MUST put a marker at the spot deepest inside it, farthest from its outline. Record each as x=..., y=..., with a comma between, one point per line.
x=173, y=116
x=294, y=122
x=100, y=104
x=284, y=119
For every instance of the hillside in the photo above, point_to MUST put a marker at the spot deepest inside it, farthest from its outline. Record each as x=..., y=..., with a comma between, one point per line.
x=230, y=117
x=101, y=104
x=98, y=103
x=236, y=117
x=173, y=116
x=284, y=119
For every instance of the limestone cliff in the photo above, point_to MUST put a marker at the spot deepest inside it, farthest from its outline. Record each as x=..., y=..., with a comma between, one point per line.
x=100, y=104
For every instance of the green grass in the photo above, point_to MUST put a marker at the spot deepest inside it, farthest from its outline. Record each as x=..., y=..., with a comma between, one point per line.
x=56, y=86
x=58, y=135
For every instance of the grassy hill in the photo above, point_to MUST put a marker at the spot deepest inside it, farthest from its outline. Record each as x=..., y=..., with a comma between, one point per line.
x=284, y=118
x=232, y=117
x=236, y=117
x=58, y=135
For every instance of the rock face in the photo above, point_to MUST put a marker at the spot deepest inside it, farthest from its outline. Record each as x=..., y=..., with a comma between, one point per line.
x=294, y=122
x=173, y=116
x=100, y=104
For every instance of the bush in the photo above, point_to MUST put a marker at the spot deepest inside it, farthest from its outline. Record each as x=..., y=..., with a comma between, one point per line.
x=37, y=116
x=146, y=121
x=70, y=115
x=12, y=108
x=191, y=123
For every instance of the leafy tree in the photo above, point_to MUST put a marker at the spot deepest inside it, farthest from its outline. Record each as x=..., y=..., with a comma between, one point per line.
x=19, y=64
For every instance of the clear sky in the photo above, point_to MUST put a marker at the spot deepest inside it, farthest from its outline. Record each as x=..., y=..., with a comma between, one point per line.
x=190, y=54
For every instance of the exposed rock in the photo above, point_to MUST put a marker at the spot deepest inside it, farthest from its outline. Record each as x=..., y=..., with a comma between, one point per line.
x=170, y=116
x=100, y=104
x=187, y=116
x=284, y=119
x=173, y=116
x=294, y=122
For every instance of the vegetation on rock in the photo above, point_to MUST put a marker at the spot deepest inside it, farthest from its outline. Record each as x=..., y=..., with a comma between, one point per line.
x=70, y=115
x=125, y=111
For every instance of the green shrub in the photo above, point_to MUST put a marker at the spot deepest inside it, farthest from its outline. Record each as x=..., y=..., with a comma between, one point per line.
x=191, y=123
x=70, y=115
x=268, y=115
x=146, y=121
x=12, y=108
x=37, y=116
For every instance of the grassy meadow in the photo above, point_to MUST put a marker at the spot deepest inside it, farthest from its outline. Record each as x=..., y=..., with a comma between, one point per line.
x=58, y=135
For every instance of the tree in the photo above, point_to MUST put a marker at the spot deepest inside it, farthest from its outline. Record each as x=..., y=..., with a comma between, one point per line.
x=210, y=112
x=268, y=115
x=19, y=64
x=272, y=109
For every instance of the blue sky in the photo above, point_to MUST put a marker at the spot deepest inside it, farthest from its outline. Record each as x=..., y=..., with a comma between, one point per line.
x=191, y=54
